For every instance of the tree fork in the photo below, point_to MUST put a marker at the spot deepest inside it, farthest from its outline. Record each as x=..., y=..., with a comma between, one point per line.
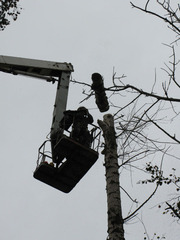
x=115, y=220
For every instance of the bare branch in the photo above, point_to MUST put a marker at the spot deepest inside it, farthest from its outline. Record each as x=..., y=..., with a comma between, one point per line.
x=170, y=22
x=132, y=214
x=133, y=200
x=142, y=92
x=82, y=83
x=164, y=131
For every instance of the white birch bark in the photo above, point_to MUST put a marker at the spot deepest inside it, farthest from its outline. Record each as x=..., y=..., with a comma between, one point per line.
x=115, y=220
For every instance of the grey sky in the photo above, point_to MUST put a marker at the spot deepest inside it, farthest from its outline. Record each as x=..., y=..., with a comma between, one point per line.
x=93, y=36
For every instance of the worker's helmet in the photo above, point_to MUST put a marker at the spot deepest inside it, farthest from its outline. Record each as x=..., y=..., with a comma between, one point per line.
x=82, y=108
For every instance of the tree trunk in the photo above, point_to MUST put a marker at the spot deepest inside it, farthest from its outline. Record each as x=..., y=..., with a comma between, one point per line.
x=115, y=220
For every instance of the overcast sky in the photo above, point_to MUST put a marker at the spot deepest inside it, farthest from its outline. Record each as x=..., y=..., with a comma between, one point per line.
x=94, y=36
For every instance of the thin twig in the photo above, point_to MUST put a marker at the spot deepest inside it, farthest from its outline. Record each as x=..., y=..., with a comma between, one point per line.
x=164, y=131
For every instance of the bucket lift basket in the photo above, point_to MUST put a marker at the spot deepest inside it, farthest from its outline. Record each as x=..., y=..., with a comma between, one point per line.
x=78, y=159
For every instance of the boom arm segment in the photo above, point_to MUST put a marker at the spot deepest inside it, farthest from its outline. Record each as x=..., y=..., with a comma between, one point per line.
x=34, y=68
x=60, y=101
x=46, y=70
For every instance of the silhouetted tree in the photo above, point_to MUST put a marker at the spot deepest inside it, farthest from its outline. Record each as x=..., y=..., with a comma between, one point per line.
x=8, y=9
x=135, y=126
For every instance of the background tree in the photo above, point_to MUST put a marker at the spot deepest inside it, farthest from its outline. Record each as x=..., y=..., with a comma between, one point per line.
x=8, y=9
x=170, y=14
x=146, y=124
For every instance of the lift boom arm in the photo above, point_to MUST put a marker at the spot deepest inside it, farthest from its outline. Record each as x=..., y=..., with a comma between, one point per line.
x=46, y=70
x=34, y=68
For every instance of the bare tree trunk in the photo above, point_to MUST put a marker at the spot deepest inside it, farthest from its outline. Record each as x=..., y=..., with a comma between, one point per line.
x=115, y=220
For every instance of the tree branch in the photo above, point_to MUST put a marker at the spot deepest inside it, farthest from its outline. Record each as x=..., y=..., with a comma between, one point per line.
x=174, y=210
x=142, y=92
x=171, y=23
x=164, y=131
x=132, y=214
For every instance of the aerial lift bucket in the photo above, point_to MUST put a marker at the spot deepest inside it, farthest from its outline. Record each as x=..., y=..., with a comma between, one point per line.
x=78, y=159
